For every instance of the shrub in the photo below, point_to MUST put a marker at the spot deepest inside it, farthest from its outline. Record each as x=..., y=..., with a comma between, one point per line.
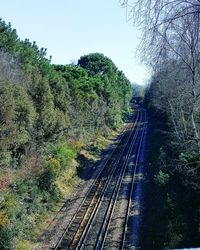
x=11, y=204
x=54, y=166
x=78, y=144
x=47, y=181
x=3, y=219
x=4, y=182
x=162, y=178
x=6, y=237
x=105, y=131
x=61, y=152
x=23, y=245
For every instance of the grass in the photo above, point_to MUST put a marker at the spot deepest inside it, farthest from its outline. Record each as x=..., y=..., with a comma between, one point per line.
x=66, y=183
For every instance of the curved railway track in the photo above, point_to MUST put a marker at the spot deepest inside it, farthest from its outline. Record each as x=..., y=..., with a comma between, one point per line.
x=91, y=223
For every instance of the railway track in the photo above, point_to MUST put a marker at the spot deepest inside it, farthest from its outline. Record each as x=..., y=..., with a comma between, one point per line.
x=90, y=225
x=125, y=244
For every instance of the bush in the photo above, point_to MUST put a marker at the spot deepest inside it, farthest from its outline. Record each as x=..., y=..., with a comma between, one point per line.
x=23, y=245
x=47, y=181
x=11, y=204
x=54, y=166
x=6, y=237
x=3, y=219
x=162, y=178
x=61, y=152
x=5, y=181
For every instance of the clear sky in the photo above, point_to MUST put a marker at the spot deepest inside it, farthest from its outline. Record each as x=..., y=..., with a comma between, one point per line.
x=71, y=28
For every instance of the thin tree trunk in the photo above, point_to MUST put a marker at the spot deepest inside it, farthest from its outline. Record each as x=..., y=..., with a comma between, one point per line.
x=195, y=131
x=173, y=120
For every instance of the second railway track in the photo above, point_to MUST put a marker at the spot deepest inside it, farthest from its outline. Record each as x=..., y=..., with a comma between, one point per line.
x=91, y=224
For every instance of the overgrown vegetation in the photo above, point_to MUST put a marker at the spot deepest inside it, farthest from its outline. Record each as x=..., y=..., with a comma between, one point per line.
x=172, y=218
x=47, y=114
x=171, y=46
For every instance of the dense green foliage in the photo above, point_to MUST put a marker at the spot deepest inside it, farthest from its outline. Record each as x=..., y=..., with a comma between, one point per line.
x=172, y=216
x=47, y=113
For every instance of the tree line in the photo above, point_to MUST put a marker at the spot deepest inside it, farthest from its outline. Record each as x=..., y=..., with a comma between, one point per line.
x=47, y=114
x=171, y=48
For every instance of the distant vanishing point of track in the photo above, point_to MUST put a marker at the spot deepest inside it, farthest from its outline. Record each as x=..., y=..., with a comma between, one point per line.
x=102, y=220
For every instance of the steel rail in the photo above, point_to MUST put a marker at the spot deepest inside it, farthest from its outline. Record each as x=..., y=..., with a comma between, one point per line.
x=93, y=184
x=132, y=187
x=110, y=210
x=97, y=204
x=84, y=235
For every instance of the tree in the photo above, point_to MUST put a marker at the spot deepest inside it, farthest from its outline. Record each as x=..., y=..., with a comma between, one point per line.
x=171, y=32
x=17, y=117
x=171, y=47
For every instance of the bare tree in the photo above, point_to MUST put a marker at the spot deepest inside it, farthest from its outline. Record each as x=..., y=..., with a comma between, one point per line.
x=153, y=14
x=171, y=31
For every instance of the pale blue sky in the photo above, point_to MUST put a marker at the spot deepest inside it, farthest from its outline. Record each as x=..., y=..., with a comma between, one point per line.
x=69, y=29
